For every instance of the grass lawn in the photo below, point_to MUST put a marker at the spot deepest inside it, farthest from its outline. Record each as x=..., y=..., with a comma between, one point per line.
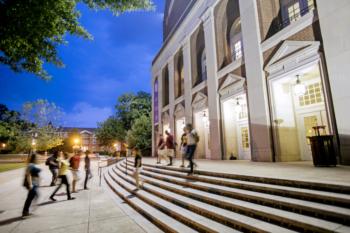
x=10, y=166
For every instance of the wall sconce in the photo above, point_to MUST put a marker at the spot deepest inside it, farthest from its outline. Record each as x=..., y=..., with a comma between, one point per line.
x=238, y=107
x=205, y=117
x=299, y=88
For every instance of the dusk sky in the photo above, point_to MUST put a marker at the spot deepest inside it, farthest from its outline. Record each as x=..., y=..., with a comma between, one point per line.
x=118, y=60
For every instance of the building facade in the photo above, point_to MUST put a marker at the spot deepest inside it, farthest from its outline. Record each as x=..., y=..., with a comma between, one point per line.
x=254, y=76
x=87, y=139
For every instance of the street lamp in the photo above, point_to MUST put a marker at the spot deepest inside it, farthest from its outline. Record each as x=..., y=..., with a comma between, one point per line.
x=3, y=145
x=76, y=142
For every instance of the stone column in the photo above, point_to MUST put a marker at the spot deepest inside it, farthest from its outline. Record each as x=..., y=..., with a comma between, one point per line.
x=334, y=20
x=186, y=51
x=260, y=133
x=171, y=94
x=159, y=78
x=212, y=83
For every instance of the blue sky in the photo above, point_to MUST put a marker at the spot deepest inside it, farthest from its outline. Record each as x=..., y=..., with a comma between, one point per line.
x=118, y=60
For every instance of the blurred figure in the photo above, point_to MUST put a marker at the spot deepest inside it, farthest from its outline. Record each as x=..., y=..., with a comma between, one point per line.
x=170, y=147
x=74, y=164
x=138, y=166
x=52, y=162
x=161, y=148
x=62, y=174
x=88, y=174
x=183, y=147
x=192, y=140
x=31, y=182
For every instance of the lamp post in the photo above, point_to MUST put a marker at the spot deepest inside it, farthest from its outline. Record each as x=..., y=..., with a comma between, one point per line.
x=76, y=142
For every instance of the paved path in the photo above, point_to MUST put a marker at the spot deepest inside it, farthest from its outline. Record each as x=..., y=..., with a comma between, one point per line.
x=303, y=170
x=93, y=210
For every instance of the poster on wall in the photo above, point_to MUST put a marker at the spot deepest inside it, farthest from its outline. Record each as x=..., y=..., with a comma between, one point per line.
x=155, y=103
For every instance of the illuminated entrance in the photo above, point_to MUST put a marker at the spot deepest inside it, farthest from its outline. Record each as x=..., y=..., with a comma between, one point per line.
x=298, y=100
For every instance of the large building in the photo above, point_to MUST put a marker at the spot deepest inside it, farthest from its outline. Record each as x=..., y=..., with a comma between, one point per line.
x=86, y=137
x=254, y=76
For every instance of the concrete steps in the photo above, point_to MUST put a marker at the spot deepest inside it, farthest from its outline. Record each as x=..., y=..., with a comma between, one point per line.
x=325, y=211
x=206, y=203
x=267, y=180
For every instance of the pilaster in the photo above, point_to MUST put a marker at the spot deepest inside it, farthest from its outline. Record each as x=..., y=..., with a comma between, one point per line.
x=260, y=133
x=213, y=97
x=186, y=50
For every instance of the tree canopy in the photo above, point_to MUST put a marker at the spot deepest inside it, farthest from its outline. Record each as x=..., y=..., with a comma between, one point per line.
x=131, y=123
x=30, y=31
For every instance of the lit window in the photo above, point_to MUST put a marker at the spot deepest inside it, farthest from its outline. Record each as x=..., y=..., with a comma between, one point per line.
x=236, y=41
x=245, y=137
x=313, y=95
x=311, y=5
x=294, y=12
x=238, y=50
x=243, y=114
x=204, y=65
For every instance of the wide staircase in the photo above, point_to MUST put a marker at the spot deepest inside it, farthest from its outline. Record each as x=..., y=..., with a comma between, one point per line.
x=219, y=202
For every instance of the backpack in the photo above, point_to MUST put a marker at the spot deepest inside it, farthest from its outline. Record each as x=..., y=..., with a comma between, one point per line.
x=47, y=162
x=196, y=137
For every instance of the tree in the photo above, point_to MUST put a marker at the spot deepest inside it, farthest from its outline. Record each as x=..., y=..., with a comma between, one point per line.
x=45, y=116
x=140, y=135
x=130, y=107
x=110, y=131
x=31, y=31
x=42, y=113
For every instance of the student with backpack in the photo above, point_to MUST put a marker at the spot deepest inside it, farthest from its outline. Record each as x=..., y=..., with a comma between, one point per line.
x=170, y=146
x=31, y=182
x=138, y=166
x=192, y=141
x=63, y=173
x=52, y=162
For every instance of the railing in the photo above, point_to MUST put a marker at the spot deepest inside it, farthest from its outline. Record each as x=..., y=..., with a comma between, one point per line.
x=105, y=163
x=278, y=23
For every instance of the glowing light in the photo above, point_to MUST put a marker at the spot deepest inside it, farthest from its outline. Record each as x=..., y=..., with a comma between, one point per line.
x=299, y=88
x=3, y=145
x=205, y=117
x=238, y=107
x=76, y=140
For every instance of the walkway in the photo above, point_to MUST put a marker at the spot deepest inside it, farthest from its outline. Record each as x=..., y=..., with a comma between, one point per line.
x=92, y=211
x=303, y=171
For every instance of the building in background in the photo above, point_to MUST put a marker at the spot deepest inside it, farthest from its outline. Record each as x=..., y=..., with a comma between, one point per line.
x=84, y=138
x=254, y=76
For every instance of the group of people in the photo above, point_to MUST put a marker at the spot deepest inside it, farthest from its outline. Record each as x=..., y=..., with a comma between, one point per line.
x=59, y=165
x=167, y=147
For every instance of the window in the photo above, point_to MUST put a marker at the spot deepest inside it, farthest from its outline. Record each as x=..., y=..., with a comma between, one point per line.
x=313, y=95
x=245, y=137
x=243, y=114
x=204, y=66
x=237, y=50
x=182, y=81
x=310, y=5
x=294, y=12
x=236, y=41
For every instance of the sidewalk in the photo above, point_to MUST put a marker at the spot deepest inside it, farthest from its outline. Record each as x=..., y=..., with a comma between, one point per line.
x=91, y=211
x=303, y=170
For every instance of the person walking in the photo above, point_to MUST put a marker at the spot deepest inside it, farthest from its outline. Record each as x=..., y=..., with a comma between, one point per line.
x=31, y=182
x=192, y=140
x=183, y=147
x=170, y=147
x=138, y=167
x=62, y=174
x=161, y=148
x=74, y=164
x=88, y=174
x=52, y=162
